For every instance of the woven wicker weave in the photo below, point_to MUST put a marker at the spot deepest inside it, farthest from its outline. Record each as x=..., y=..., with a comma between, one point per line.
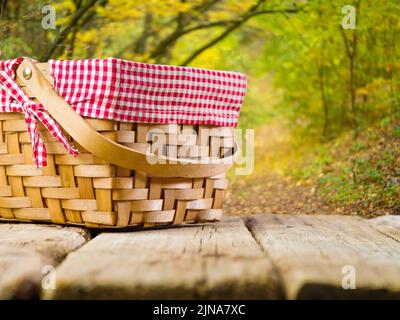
x=89, y=191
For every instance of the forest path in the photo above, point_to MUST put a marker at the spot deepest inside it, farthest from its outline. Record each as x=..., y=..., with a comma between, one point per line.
x=274, y=193
x=268, y=189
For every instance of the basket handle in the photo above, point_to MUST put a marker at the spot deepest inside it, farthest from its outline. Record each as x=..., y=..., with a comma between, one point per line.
x=104, y=148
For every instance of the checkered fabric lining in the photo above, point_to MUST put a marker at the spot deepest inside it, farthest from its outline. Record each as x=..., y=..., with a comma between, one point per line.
x=138, y=92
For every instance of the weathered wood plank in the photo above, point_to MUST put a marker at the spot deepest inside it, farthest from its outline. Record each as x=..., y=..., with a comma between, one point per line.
x=388, y=225
x=210, y=261
x=315, y=255
x=25, y=250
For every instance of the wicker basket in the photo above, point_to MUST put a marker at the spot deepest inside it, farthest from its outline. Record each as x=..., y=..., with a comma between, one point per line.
x=111, y=183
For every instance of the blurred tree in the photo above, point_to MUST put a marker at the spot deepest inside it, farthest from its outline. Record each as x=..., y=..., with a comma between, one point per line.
x=334, y=78
x=143, y=29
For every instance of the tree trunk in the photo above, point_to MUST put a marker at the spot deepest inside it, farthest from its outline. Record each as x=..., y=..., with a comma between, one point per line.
x=325, y=105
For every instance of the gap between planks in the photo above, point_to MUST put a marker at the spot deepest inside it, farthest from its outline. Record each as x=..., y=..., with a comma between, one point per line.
x=315, y=255
x=253, y=257
x=28, y=251
x=302, y=258
x=211, y=261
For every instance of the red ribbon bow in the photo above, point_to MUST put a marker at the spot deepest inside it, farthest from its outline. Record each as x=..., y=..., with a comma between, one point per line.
x=32, y=111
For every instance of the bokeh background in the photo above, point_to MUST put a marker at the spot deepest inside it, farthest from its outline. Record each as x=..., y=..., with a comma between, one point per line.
x=323, y=100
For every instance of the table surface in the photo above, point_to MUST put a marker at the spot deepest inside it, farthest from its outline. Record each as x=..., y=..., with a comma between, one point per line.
x=251, y=257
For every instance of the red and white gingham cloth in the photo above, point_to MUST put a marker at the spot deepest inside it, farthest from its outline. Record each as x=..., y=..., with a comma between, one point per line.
x=13, y=99
x=137, y=92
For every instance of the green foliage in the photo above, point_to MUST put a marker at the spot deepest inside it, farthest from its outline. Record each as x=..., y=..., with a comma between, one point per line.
x=365, y=174
x=308, y=50
x=397, y=132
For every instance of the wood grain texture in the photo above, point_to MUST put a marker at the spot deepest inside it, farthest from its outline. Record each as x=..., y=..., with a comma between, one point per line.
x=209, y=261
x=254, y=257
x=25, y=249
x=310, y=253
x=388, y=225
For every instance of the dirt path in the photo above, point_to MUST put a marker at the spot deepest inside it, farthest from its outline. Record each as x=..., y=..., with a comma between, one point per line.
x=272, y=193
x=267, y=190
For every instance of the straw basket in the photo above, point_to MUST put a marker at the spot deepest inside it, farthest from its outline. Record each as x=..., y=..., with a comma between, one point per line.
x=111, y=182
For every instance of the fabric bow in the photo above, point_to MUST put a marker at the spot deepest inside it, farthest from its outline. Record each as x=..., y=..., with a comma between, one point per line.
x=33, y=111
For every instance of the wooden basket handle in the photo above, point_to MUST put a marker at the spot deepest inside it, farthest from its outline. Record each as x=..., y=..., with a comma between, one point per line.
x=104, y=148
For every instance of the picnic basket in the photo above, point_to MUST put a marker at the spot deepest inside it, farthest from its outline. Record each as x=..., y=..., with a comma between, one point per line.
x=119, y=173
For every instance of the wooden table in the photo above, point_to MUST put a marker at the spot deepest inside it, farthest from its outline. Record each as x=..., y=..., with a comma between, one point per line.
x=254, y=257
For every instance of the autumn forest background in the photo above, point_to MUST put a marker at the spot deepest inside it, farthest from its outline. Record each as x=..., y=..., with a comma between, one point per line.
x=324, y=100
